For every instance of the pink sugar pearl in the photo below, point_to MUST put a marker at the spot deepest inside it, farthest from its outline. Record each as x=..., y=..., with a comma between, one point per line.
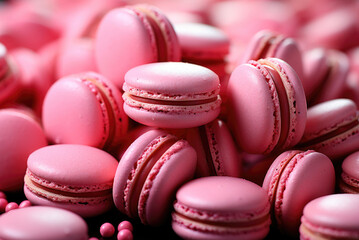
x=11, y=206
x=25, y=203
x=125, y=225
x=124, y=234
x=2, y=195
x=107, y=230
x=3, y=203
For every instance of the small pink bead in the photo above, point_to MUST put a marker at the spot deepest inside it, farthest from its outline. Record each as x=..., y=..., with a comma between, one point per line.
x=11, y=206
x=107, y=230
x=124, y=234
x=125, y=225
x=2, y=195
x=25, y=203
x=3, y=203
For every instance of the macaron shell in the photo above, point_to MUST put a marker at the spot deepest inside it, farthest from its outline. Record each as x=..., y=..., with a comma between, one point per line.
x=313, y=176
x=42, y=223
x=163, y=182
x=246, y=83
x=334, y=215
x=350, y=172
x=20, y=135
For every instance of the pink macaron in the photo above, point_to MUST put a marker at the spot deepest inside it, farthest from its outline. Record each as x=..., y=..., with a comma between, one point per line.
x=10, y=84
x=221, y=207
x=154, y=166
x=294, y=179
x=171, y=95
x=349, y=178
x=78, y=178
x=42, y=223
x=332, y=128
x=269, y=44
x=20, y=135
x=131, y=36
x=326, y=72
x=84, y=108
x=216, y=150
x=331, y=217
x=268, y=106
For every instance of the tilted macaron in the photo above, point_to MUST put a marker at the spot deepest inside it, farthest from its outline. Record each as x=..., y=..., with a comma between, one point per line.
x=20, y=135
x=332, y=128
x=172, y=95
x=221, y=207
x=84, y=108
x=334, y=216
x=154, y=166
x=131, y=36
x=42, y=223
x=269, y=44
x=216, y=150
x=326, y=72
x=78, y=178
x=295, y=178
x=268, y=106
x=349, y=178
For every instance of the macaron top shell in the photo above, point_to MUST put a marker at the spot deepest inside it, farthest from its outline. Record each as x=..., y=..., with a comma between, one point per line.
x=334, y=215
x=20, y=135
x=201, y=41
x=70, y=165
x=229, y=203
x=350, y=173
x=42, y=223
x=172, y=81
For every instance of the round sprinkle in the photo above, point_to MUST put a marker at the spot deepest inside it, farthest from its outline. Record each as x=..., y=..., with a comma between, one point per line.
x=2, y=195
x=124, y=234
x=125, y=225
x=11, y=206
x=25, y=203
x=107, y=230
x=3, y=203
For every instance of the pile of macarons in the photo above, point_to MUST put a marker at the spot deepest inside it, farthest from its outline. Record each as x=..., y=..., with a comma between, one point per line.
x=160, y=119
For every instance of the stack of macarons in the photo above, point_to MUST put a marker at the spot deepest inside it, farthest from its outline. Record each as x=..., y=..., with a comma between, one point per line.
x=176, y=117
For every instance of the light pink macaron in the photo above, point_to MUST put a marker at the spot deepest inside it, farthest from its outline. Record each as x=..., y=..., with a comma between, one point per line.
x=131, y=36
x=349, y=178
x=294, y=179
x=268, y=106
x=20, y=135
x=332, y=128
x=331, y=217
x=221, y=207
x=154, y=166
x=217, y=154
x=84, y=108
x=42, y=223
x=78, y=178
x=171, y=95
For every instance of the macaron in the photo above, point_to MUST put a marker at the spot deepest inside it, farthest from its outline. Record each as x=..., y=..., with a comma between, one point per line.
x=332, y=128
x=326, y=71
x=268, y=106
x=171, y=95
x=9, y=80
x=78, y=178
x=149, y=173
x=42, y=223
x=349, y=178
x=217, y=153
x=221, y=207
x=295, y=178
x=334, y=216
x=133, y=36
x=269, y=44
x=84, y=108
x=20, y=135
